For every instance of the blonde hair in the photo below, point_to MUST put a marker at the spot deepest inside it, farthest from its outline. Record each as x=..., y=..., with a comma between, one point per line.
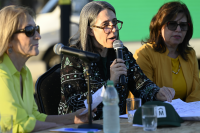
x=11, y=19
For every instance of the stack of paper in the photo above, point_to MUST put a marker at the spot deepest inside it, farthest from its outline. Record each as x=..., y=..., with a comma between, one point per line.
x=187, y=111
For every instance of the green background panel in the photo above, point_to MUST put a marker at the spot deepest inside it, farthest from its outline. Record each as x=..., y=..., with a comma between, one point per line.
x=137, y=15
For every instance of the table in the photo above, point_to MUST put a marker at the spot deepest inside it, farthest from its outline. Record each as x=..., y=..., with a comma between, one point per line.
x=125, y=127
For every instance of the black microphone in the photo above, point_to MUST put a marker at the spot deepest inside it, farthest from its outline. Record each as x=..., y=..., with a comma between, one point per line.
x=118, y=46
x=83, y=55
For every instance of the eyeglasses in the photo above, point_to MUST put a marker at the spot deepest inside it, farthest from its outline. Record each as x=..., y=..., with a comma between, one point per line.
x=29, y=30
x=108, y=28
x=172, y=25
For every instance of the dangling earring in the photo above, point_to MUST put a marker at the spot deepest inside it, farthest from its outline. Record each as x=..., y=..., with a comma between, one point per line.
x=9, y=50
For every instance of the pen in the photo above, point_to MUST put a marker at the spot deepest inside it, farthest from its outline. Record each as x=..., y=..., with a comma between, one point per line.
x=83, y=129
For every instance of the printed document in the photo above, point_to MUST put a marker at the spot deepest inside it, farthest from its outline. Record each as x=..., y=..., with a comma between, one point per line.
x=187, y=111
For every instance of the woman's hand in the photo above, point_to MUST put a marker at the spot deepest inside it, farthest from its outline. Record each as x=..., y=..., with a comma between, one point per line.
x=117, y=68
x=165, y=94
x=82, y=118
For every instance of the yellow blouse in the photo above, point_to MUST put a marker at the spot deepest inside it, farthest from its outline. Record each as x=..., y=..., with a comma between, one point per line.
x=23, y=110
x=178, y=80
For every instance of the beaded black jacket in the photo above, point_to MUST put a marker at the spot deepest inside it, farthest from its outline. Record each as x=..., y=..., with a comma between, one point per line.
x=74, y=82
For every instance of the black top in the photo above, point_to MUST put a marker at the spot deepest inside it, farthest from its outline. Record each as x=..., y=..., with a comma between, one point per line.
x=104, y=62
x=74, y=82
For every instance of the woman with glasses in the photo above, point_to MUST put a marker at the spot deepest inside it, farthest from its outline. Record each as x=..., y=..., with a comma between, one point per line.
x=167, y=58
x=19, y=38
x=98, y=29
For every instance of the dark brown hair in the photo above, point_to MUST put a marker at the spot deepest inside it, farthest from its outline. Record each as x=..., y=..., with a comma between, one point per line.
x=167, y=12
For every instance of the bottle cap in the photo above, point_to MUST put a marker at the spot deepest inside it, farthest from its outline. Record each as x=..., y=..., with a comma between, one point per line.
x=110, y=82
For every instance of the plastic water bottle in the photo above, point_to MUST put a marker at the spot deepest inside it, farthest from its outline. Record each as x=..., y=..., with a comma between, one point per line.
x=111, y=109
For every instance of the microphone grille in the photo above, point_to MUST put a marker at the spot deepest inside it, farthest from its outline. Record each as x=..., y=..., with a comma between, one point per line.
x=117, y=44
x=57, y=48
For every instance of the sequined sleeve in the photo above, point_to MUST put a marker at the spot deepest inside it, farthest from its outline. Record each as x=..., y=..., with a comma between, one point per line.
x=73, y=85
x=138, y=83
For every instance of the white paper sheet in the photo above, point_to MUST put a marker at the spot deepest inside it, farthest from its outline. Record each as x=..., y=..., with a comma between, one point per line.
x=97, y=98
x=137, y=125
x=187, y=111
x=124, y=116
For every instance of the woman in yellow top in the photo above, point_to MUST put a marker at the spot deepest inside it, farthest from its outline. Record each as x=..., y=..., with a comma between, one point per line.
x=167, y=58
x=19, y=38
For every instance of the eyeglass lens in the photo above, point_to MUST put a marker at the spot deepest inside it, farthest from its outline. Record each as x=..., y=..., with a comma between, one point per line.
x=30, y=30
x=109, y=28
x=172, y=25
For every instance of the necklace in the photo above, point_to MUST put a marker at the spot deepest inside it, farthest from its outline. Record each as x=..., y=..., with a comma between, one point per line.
x=178, y=69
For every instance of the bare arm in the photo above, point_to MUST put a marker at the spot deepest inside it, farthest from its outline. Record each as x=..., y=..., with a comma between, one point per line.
x=40, y=125
x=70, y=118
x=60, y=120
